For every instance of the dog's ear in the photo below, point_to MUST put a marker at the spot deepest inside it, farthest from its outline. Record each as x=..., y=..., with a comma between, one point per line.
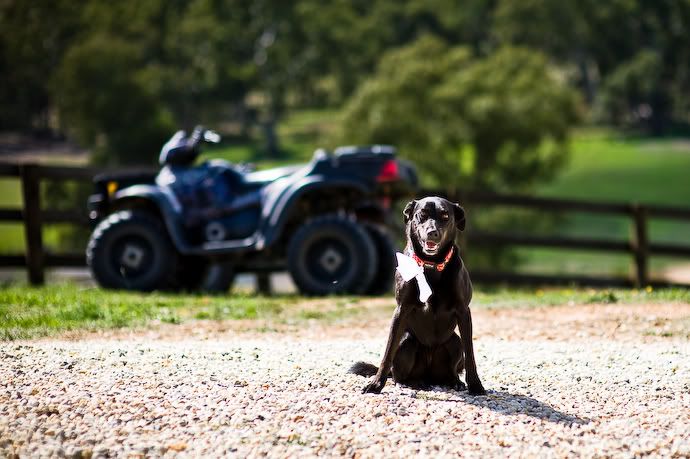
x=459, y=213
x=409, y=210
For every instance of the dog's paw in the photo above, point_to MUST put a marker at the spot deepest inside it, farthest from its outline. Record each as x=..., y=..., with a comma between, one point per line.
x=459, y=386
x=476, y=389
x=374, y=387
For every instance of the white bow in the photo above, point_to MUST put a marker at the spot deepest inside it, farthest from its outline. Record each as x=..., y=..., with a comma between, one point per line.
x=408, y=268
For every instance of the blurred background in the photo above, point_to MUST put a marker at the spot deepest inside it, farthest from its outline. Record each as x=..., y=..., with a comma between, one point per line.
x=554, y=98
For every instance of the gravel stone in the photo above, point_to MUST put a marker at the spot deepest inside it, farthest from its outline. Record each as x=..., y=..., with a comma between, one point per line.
x=245, y=395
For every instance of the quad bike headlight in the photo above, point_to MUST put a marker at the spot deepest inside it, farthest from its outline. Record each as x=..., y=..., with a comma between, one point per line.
x=111, y=188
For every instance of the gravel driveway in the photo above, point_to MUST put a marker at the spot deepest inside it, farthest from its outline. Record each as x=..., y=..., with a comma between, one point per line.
x=583, y=381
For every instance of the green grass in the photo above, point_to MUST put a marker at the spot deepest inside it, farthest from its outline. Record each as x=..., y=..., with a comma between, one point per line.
x=299, y=135
x=29, y=312
x=11, y=234
x=608, y=166
x=531, y=298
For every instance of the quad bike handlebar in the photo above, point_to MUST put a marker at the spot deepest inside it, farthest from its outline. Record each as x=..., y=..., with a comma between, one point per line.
x=182, y=150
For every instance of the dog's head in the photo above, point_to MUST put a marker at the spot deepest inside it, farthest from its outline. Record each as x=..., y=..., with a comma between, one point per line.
x=432, y=224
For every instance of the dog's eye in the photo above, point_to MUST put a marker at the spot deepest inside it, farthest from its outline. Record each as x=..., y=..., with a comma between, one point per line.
x=444, y=217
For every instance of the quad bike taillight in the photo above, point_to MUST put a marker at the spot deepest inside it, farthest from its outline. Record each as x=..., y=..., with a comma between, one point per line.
x=389, y=172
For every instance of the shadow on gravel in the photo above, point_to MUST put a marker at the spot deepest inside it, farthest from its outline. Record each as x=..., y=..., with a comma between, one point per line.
x=505, y=403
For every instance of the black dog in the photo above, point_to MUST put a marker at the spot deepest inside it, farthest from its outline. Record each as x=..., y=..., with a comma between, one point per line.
x=423, y=348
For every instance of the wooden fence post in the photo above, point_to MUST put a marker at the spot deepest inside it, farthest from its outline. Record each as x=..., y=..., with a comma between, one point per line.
x=31, y=192
x=641, y=245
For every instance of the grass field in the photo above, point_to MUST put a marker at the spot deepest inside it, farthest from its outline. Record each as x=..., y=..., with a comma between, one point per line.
x=28, y=312
x=12, y=234
x=608, y=166
x=31, y=312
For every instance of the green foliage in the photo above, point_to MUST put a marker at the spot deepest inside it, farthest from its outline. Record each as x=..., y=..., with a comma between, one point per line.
x=637, y=51
x=118, y=114
x=58, y=195
x=245, y=64
x=629, y=91
x=33, y=38
x=499, y=122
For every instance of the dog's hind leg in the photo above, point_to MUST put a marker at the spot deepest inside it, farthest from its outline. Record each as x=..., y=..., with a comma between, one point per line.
x=461, y=362
x=446, y=361
x=407, y=365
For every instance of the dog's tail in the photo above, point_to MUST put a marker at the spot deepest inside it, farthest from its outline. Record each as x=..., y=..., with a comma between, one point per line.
x=363, y=369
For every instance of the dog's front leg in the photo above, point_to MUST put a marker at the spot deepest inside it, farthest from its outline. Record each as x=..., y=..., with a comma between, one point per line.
x=396, y=331
x=474, y=385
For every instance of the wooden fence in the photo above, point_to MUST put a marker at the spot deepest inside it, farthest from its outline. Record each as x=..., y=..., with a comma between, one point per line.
x=35, y=257
x=639, y=247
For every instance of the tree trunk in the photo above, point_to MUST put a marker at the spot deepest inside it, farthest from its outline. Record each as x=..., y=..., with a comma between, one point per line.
x=588, y=86
x=271, y=137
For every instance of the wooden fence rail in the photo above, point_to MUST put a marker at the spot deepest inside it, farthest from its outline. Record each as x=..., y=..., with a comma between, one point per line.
x=639, y=247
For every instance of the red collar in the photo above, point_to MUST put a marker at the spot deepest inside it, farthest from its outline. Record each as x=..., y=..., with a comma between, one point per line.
x=437, y=266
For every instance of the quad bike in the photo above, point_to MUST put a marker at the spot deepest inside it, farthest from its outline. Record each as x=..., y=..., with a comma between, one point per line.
x=193, y=227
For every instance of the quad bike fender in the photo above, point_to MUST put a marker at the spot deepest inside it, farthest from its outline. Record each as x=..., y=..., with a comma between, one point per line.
x=280, y=204
x=161, y=199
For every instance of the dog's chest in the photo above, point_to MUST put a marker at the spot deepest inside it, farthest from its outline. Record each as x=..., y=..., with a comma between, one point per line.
x=432, y=323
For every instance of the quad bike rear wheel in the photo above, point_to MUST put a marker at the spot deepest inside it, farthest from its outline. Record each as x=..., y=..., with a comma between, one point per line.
x=130, y=250
x=332, y=255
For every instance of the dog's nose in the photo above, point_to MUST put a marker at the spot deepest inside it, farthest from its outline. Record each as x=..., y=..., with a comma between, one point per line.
x=433, y=234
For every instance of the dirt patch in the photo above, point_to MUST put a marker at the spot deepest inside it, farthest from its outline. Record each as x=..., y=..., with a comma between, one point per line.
x=678, y=273
x=645, y=322
x=25, y=149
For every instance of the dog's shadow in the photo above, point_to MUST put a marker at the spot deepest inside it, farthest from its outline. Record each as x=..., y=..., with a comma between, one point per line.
x=504, y=403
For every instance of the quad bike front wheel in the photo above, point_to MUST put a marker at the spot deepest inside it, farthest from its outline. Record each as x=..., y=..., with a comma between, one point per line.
x=129, y=250
x=382, y=282
x=332, y=255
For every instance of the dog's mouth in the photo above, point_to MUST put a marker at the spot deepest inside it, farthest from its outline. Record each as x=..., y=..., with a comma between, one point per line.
x=430, y=247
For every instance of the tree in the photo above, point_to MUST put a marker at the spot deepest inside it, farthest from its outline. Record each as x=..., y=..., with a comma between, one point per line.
x=499, y=122
x=33, y=38
x=627, y=92
x=140, y=71
x=612, y=45
x=105, y=105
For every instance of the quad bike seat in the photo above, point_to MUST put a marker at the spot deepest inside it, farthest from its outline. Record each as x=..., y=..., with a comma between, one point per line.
x=261, y=178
